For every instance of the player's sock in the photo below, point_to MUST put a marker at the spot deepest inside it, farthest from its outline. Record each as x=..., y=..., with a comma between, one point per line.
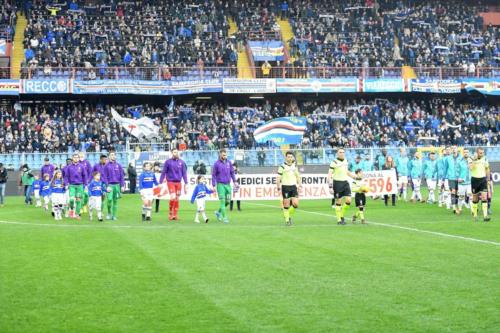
x=460, y=202
x=176, y=206
x=474, y=208
x=222, y=208
x=345, y=207
x=489, y=203
x=148, y=212
x=447, y=199
x=338, y=212
x=170, y=207
x=204, y=215
x=431, y=195
x=99, y=214
x=484, y=207
x=286, y=214
x=292, y=211
x=114, y=208
x=404, y=194
x=361, y=213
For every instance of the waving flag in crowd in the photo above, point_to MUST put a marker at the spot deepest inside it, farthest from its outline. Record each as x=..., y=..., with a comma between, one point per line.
x=281, y=131
x=142, y=127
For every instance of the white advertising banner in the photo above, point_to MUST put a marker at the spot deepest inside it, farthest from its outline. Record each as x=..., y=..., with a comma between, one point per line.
x=314, y=186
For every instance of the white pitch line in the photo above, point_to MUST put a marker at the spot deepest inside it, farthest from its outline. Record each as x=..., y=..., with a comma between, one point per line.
x=435, y=233
x=171, y=226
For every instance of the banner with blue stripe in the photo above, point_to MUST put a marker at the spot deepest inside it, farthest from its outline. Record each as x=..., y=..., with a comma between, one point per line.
x=281, y=131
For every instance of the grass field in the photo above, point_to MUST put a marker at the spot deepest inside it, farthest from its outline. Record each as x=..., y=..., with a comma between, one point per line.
x=413, y=268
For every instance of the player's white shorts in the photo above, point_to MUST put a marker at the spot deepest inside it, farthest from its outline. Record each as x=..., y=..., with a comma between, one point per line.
x=431, y=183
x=464, y=190
x=403, y=180
x=147, y=194
x=95, y=202
x=416, y=182
x=36, y=194
x=46, y=199
x=58, y=199
x=440, y=184
x=200, y=204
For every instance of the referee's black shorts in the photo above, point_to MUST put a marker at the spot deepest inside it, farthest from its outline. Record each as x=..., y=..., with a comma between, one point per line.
x=360, y=199
x=289, y=191
x=479, y=185
x=341, y=188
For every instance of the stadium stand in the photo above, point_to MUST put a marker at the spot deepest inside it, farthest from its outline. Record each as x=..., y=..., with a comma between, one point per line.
x=155, y=34
x=189, y=40
x=56, y=127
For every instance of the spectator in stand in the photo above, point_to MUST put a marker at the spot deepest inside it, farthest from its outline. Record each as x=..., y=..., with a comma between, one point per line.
x=266, y=69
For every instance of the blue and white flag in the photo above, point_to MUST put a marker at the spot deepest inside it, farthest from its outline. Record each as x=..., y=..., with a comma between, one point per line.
x=171, y=105
x=3, y=47
x=281, y=131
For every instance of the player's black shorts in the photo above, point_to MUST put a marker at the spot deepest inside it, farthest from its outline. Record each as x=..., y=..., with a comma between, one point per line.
x=479, y=185
x=360, y=199
x=341, y=189
x=453, y=184
x=289, y=191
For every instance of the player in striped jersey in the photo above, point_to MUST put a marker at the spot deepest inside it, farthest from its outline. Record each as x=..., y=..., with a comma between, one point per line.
x=147, y=181
x=200, y=194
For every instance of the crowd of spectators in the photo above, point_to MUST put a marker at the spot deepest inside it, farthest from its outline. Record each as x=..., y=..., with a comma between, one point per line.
x=7, y=21
x=374, y=33
x=195, y=34
x=256, y=19
x=62, y=127
x=166, y=33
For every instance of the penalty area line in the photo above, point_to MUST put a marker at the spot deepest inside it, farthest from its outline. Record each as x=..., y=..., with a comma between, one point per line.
x=394, y=226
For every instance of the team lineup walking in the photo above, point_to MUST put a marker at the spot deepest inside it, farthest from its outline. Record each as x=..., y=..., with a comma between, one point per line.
x=460, y=178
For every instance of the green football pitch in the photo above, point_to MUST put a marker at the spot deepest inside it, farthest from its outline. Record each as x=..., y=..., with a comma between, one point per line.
x=413, y=268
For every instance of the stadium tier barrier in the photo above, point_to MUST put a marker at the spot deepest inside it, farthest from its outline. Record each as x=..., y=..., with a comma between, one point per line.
x=244, y=158
x=165, y=73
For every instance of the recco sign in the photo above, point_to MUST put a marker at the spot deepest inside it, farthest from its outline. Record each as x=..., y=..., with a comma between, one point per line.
x=46, y=86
